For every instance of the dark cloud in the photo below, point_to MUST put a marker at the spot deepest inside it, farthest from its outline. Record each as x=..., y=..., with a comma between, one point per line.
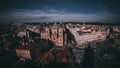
x=53, y=10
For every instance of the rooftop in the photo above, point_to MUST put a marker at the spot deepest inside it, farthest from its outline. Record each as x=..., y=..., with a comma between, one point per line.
x=40, y=43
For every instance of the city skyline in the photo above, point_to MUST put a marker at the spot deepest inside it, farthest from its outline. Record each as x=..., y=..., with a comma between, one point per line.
x=59, y=45
x=55, y=11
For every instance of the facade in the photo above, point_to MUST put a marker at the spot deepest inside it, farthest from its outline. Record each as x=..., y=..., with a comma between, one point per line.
x=31, y=50
x=23, y=53
x=116, y=35
x=87, y=33
x=21, y=33
x=55, y=33
x=33, y=28
x=117, y=42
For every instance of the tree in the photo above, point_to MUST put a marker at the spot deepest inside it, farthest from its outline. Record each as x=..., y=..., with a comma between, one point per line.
x=64, y=60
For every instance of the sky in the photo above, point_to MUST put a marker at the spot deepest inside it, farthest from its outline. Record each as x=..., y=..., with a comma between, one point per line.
x=60, y=11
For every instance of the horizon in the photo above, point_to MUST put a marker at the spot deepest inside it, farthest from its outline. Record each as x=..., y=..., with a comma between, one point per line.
x=80, y=22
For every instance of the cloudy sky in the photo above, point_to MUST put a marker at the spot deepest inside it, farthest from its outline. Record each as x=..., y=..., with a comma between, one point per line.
x=60, y=10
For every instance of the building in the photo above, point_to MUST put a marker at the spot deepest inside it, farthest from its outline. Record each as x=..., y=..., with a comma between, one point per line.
x=33, y=28
x=117, y=42
x=116, y=34
x=22, y=33
x=55, y=33
x=32, y=51
x=83, y=34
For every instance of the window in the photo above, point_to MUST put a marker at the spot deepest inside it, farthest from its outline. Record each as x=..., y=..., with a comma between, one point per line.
x=55, y=32
x=60, y=32
x=53, y=38
x=60, y=39
x=60, y=42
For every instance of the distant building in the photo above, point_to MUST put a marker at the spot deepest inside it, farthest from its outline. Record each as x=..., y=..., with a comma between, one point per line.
x=117, y=42
x=21, y=34
x=23, y=53
x=31, y=51
x=33, y=28
x=116, y=34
